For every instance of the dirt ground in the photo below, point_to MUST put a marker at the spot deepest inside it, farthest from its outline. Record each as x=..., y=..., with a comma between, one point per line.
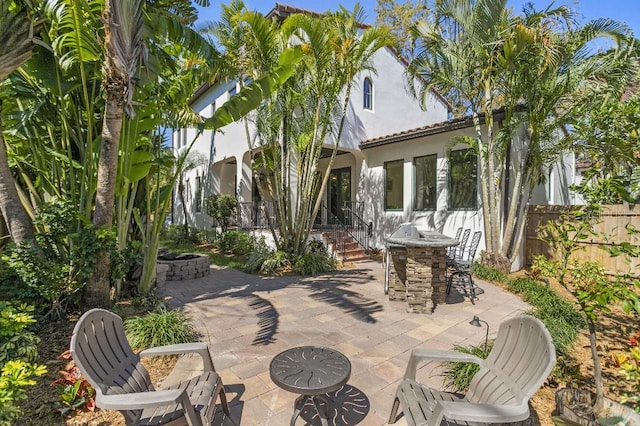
x=40, y=407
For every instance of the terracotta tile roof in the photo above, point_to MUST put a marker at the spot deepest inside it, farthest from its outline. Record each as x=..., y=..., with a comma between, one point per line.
x=431, y=129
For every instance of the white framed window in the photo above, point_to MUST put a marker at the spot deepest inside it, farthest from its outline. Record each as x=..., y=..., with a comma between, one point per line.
x=367, y=91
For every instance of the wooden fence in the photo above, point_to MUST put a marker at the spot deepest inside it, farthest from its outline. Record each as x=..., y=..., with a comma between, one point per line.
x=613, y=223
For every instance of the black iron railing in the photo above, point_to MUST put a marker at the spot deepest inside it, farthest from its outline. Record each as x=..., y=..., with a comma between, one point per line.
x=356, y=227
x=255, y=214
x=333, y=229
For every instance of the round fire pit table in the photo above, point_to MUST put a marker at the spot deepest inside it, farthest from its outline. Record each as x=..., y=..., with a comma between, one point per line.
x=312, y=372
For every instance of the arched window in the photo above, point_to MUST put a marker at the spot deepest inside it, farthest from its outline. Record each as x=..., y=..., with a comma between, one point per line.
x=368, y=94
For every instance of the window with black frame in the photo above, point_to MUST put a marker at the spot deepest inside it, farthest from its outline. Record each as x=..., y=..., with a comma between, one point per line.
x=198, y=194
x=463, y=180
x=393, y=184
x=424, y=180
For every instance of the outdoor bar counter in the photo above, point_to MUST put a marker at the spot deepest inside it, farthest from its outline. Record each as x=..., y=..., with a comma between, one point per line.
x=417, y=267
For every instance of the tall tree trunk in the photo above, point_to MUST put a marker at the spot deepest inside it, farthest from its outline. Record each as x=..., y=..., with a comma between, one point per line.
x=18, y=221
x=597, y=371
x=97, y=292
x=184, y=208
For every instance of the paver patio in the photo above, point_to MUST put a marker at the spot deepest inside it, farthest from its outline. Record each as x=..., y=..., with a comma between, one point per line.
x=248, y=319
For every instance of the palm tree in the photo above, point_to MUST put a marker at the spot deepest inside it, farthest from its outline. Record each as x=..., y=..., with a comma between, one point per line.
x=455, y=53
x=545, y=93
x=537, y=67
x=299, y=119
x=124, y=51
x=16, y=44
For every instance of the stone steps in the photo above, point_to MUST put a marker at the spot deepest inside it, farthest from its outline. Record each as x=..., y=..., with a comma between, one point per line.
x=352, y=251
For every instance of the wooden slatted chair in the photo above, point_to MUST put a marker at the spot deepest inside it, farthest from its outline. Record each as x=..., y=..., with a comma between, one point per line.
x=101, y=351
x=519, y=362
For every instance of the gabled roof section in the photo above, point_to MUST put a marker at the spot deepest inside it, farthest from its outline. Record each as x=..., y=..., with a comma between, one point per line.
x=432, y=129
x=281, y=11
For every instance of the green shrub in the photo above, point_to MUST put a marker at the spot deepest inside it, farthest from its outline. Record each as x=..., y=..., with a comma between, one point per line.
x=14, y=377
x=314, y=263
x=17, y=342
x=18, y=353
x=52, y=275
x=221, y=208
x=276, y=261
x=236, y=242
x=559, y=316
x=488, y=273
x=207, y=236
x=159, y=328
x=458, y=375
x=257, y=257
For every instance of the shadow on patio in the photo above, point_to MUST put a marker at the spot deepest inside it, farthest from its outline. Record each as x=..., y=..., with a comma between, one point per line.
x=248, y=319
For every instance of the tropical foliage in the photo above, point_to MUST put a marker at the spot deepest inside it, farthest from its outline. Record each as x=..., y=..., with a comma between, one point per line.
x=88, y=87
x=18, y=356
x=538, y=70
x=307, y=114
x=607, y=140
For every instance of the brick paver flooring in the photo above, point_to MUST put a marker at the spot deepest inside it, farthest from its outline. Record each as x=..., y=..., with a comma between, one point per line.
x=248, y=319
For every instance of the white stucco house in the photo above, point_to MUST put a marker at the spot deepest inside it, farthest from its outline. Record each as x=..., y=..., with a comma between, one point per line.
x=396, y=161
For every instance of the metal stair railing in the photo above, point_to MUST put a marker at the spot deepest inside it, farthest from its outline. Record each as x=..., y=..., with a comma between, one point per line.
x=255, y=214
x=360, y=230
x=333, y=228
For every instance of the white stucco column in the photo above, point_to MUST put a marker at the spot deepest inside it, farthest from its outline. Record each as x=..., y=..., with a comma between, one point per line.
x=245, y=178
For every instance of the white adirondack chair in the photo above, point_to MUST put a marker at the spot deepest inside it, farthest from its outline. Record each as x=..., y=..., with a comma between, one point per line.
x=519, y=362
x=101, y=351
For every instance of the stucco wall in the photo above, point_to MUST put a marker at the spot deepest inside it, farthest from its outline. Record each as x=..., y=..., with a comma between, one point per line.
x=441, y=219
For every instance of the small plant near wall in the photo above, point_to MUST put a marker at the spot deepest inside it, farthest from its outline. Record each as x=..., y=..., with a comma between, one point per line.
x=74, y=392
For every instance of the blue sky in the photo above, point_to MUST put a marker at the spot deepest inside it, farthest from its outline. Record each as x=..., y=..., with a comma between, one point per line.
x=627, y=11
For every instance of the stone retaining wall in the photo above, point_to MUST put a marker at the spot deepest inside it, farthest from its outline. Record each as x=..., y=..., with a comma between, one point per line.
x=186, y=269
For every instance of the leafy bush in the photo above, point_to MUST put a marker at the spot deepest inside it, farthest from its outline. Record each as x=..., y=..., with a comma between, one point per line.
x=458, y=375
x=176, y=234
x=16, y=375
x=274, y=262
x=487, y=273
x=159, y=328
x=52, y=275
x=18, y=353
x=206, y=236
x=559, y=316
x=236, y=242
x=314, y=263
x=17, y=342
x=74, y=391
x=221, y=208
